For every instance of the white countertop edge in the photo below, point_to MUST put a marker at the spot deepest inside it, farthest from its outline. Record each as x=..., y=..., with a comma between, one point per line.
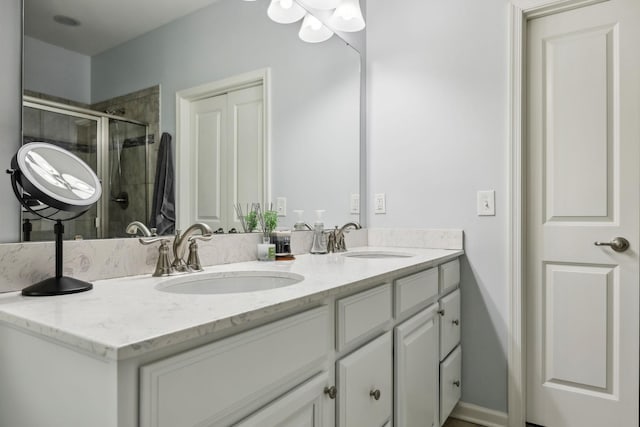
x=22, y=312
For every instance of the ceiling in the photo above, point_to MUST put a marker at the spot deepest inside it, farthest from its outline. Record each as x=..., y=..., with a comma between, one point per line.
x=104, y=24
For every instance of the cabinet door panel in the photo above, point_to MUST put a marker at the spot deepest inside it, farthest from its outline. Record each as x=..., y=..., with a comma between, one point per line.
x=360, y=375
x=416, y=370
x=450, y=385
x=362, y=314
x=449, y=276
x=415, y=290
x=183, y=390
x=302, y=407
x=450, y=323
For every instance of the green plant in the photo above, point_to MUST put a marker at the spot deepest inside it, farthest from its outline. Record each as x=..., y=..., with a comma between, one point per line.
x=270, y=222
x=251, y=220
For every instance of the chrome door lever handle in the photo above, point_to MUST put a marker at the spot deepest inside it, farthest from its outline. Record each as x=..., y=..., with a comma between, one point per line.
x=618, y=244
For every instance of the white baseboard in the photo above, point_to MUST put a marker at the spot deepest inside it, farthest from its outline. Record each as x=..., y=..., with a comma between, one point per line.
x=479, y=415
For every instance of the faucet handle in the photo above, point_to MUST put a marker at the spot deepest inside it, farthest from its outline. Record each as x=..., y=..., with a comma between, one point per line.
x=200, y=237
x=331, y=240
x=152, y=240
x=163, y=265
x=193, y=260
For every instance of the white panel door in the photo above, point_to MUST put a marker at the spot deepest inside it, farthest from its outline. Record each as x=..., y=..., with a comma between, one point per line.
x=246, y=148
x=208, y=121
x=227, y=157
x=583, y=186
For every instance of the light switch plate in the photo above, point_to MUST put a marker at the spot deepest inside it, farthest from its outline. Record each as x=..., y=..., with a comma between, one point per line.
x=380, y=203
x=355, y=204
x=281, y=206
x=486, y=203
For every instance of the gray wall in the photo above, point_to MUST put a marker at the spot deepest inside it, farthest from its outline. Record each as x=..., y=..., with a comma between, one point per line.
x=315, y=94
x=56, y=71
x=437, y=133
x=10, y=107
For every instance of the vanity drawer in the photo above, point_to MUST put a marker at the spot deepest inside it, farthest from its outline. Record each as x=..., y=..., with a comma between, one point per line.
x=449, y=276
x=450, y=383
x=449, y=322
x=362, y=314
x=205, y=385
x=415, y=291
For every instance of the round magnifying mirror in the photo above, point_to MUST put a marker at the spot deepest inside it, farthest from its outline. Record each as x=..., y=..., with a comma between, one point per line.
x=56, y=177
x=57, y=185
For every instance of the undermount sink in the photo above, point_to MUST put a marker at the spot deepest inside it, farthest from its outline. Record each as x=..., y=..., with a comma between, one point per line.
x=377, y=254
x=229, y=282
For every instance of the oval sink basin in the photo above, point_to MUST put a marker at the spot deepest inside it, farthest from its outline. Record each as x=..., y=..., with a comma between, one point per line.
x=229, y=282
x=377, y=254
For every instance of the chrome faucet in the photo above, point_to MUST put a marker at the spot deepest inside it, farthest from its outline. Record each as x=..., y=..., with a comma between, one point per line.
x=136, y=226
x=180, y=246
x=337, y=237
x=166, y=268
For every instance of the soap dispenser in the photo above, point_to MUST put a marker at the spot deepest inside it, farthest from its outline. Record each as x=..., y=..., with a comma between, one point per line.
x=319, y=245
x=300, y=224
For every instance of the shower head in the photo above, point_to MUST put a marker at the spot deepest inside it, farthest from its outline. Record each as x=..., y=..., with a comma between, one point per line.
x=115, y=111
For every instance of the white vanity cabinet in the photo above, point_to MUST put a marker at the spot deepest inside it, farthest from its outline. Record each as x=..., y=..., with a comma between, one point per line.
x=419, y=328
x=367, y=354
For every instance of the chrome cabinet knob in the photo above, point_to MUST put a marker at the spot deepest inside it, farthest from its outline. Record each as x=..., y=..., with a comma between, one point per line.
x=455, y=322
x=618, y=244
x=441, y=312
x=331, y=392
x=456, y=383
x=375, y=394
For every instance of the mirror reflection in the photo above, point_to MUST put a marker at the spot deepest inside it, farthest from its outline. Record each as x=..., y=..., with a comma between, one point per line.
x=109, y=104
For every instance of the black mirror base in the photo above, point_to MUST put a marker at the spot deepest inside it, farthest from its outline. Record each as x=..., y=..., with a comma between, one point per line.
x=56, y=286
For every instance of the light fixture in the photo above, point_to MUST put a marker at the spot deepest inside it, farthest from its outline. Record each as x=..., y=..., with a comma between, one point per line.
x=66, y=20
x=347, y=17
x=285, y=11
x=314, y=31
x=321, y=4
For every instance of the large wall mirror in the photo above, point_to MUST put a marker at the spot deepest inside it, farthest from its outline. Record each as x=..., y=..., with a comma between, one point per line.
x=102, y=78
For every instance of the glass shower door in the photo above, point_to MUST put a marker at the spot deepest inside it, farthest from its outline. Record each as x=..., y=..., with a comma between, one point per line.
x=127, y=176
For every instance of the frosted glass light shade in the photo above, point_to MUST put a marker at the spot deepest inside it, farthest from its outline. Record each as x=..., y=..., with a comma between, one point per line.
x=285, y=11
x=314, y=31
x=321, y=4
x=347, y=17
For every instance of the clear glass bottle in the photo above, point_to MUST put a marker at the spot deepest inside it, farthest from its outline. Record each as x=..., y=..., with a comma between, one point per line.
x=319, y=245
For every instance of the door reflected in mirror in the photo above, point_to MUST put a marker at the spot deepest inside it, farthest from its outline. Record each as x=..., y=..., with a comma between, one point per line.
x=312, y=117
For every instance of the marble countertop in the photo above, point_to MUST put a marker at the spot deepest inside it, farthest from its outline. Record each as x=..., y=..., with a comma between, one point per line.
x=127, y=317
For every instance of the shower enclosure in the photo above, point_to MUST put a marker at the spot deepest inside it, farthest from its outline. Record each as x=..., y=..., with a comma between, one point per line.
x=116, y=148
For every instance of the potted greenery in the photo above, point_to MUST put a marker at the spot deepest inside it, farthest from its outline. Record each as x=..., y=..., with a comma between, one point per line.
x=269, y=224
x=251, y=221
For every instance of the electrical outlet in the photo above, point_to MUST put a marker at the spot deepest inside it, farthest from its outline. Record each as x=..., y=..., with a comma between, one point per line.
x=281, y=206
x=486, y=203
x=380, y=203
x=355, y=204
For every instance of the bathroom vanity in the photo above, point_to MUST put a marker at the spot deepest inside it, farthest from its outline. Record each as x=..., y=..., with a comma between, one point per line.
x=361, y=341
